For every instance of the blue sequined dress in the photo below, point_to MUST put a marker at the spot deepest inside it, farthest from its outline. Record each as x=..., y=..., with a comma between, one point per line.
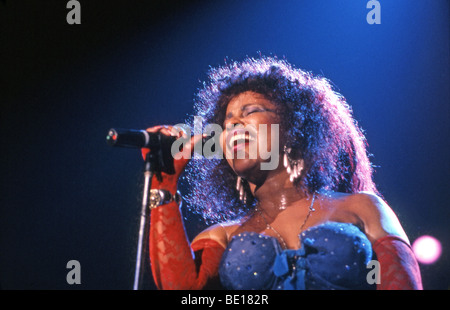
x=332, y=256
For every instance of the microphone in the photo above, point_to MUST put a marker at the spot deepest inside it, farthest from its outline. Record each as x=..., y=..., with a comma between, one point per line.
x=159, y=159
x=159, y=144
x=133, y=138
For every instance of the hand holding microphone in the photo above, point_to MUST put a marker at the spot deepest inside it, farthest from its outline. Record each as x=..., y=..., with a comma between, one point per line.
x=159, y=139
x=169, y=181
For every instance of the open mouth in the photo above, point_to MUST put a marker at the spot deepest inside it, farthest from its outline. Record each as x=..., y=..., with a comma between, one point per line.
x=238, y=138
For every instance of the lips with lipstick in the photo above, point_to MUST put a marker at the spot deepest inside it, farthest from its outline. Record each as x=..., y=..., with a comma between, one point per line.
x=239, y=138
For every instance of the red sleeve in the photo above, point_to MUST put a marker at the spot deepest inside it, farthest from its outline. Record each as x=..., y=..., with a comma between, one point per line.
x=172, y=261
x=399, y=267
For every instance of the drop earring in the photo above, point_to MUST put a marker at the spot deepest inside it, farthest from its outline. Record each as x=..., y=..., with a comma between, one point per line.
x=240, y=188
x=293, y=167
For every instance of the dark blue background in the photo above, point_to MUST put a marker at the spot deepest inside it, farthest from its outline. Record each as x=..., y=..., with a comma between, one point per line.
x=66, y=195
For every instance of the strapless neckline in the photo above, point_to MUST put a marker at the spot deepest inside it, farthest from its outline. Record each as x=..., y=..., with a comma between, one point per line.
x=332, y=255
x=300, y=235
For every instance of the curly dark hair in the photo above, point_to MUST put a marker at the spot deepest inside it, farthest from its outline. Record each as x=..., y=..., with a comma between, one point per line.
x=316, y=120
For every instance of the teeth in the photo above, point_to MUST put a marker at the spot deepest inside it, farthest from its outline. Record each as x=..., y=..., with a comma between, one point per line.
x=241, y=136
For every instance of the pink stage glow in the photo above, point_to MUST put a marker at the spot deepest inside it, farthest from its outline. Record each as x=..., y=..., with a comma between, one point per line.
x=427, y=249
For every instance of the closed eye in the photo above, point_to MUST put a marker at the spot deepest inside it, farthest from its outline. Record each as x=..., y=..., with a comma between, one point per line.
x=251, y=108
x=251, y=111
x=248, y=110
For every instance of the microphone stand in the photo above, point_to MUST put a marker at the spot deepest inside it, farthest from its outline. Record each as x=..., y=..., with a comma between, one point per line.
x=143, y=227
x=157, y=160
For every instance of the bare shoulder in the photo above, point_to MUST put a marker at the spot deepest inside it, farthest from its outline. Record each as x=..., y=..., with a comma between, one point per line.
x=220, y=232
x=378, y=218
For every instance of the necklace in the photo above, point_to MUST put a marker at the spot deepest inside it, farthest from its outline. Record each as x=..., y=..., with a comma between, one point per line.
x=268, y=226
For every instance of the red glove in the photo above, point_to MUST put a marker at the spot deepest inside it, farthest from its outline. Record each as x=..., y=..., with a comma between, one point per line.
x=169, y=181
x=399, y=267
x=172, y=262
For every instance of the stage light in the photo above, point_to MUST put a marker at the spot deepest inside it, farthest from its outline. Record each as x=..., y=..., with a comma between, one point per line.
x=427, y=249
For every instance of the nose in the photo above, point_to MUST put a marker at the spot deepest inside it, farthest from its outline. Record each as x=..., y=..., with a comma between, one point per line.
x=233, y=122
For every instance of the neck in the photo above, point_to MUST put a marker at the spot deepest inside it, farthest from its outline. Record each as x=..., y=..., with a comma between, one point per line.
x=276, y=193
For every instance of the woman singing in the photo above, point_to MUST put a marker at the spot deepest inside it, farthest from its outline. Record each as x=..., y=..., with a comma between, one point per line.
x=313, y=219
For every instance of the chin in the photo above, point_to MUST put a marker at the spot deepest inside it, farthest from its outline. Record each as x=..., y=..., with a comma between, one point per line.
x=246, y=168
